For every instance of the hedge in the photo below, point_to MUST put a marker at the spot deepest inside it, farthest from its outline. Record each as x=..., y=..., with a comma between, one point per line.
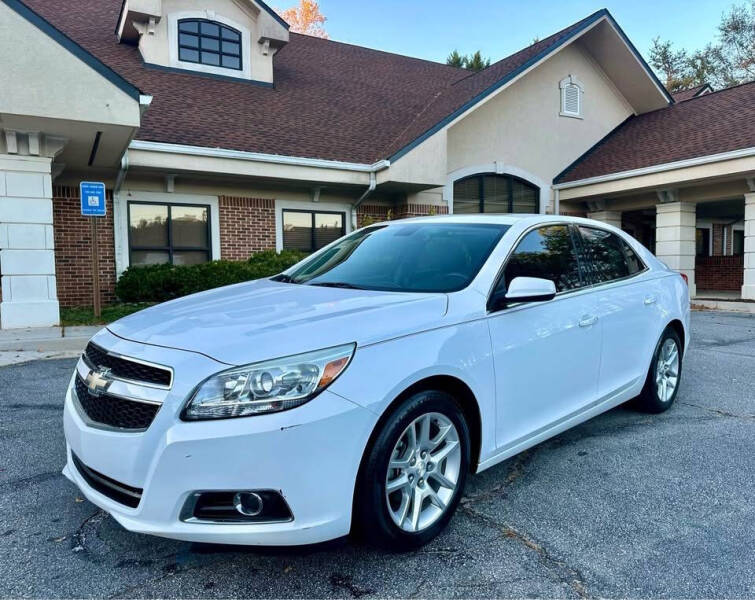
x=158, y=283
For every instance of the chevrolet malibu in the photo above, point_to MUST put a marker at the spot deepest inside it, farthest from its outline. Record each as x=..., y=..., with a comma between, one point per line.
x=359, y=388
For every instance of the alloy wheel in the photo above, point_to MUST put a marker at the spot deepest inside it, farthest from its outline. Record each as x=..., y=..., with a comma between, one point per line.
x=423, y=472
x=667, y=370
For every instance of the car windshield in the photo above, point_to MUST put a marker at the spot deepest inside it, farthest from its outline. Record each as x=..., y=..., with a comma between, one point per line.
x=411, y=257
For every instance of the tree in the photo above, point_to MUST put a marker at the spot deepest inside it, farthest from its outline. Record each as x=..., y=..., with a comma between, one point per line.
x=456, y=60
x=305, y=18
x=477, y=63
x=729, y=61
x=671, y=65
x=736, y=33
x=474, y=62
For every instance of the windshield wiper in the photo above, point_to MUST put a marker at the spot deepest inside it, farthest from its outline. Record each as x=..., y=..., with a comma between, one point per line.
x=337, y=284
x=283, y=278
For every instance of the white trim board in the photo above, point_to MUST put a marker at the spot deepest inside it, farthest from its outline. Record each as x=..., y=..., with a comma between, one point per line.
x=670, y=166
x=257, y=156
x=120, y=220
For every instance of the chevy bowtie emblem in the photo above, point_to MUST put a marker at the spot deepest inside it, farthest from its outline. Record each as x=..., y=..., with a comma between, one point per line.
x=98, y=381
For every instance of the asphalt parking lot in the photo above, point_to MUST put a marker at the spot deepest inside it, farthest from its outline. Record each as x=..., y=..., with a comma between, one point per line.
x=626, y=505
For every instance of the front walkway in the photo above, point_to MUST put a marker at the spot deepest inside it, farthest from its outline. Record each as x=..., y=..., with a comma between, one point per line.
x=23, y=345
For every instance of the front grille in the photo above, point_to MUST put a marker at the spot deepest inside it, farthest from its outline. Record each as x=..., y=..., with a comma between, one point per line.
x=114, y=411
x=115, y=490
x=127, y=369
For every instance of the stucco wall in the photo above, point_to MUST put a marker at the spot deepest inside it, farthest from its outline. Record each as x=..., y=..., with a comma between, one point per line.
x=159, y=48
x=50, y=82
x=521, y=126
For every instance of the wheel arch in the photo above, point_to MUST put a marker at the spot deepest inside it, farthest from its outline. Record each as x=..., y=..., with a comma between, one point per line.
x=463, y=395
x=678, y=327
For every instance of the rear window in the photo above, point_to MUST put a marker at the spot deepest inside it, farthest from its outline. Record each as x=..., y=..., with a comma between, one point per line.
x=608, y=257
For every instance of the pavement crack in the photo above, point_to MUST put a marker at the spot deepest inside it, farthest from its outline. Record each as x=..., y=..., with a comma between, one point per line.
x=516, y=470
x=561, y=571
x=720, y=412
x=15, y=485
x=345, y=582
x=80, y=536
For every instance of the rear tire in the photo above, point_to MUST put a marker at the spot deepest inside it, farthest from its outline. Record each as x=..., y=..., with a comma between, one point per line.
x=413, y=474
x=664, y=375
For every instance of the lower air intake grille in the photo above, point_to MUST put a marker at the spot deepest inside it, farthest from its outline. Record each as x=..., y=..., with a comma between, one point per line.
x=113, y=411
x=115, y=490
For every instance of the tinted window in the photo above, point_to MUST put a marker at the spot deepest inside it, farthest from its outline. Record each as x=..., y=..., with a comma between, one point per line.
x=310, y=230
x=168, y=233
x=491, y=193
x=411, y=257
x=547, y=253
x=608, y=256
x=633, y=261
x=209, y=43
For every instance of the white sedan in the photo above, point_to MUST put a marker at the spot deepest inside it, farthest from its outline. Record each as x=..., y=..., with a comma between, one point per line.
x=356, y=390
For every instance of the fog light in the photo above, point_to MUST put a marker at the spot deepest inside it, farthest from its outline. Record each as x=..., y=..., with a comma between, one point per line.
x=248, y=503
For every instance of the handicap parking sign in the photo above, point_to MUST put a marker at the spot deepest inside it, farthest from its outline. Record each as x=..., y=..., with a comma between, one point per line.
x=92, y=198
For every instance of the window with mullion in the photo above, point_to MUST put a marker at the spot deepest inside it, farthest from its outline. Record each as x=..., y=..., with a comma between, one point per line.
x=493, y=193
x=308, y=231
x=209, y=43
x=168, y=233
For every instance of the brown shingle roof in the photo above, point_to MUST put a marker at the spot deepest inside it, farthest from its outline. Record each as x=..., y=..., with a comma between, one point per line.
x=713, y=123
x=691, y=92
x=330, y=100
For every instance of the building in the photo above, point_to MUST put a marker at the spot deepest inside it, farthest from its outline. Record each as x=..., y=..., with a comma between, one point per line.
x=219, y=133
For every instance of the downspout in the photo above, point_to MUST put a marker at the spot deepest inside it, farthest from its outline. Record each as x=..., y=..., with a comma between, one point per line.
x=362, y=198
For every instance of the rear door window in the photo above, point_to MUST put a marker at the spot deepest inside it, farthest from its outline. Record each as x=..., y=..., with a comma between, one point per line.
x=607, y=257
x=548, y=253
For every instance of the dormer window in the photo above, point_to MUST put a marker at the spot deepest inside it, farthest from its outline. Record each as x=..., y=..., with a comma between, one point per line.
x=206, y=42
x=571, y=97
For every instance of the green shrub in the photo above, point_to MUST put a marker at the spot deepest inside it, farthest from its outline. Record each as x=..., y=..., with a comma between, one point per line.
x=158, y=283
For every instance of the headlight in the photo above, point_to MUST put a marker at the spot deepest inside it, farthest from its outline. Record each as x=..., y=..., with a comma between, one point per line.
x=269, y=386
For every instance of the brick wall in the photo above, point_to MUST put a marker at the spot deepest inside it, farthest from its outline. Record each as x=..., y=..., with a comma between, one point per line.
x=247, y=225
x=375, y=213
x=403, y=211
x=73, y=249
x=718, y=238
x=719, y=272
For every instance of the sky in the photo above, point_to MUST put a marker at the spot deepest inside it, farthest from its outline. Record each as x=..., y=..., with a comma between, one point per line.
x=431, y=29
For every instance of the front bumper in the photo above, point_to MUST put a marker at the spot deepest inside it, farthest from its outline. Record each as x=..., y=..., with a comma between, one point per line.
x=311, y=454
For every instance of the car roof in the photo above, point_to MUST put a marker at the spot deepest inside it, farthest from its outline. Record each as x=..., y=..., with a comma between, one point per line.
x=496, y=219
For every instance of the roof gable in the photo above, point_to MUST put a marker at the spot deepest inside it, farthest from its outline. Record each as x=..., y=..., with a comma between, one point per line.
x=463, y=95
x=708, y=124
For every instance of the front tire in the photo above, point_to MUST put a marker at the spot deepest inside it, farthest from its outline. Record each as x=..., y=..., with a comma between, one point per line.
x=664, y=375
x=414, y=473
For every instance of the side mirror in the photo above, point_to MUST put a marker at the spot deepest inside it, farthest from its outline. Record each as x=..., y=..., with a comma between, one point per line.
x=524, y=289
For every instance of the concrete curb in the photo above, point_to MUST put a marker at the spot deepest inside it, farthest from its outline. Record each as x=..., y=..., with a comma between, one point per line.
x=46, y=342
x=740, y=307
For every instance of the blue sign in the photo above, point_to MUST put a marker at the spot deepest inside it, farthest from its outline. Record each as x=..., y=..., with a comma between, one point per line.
x=92, y=198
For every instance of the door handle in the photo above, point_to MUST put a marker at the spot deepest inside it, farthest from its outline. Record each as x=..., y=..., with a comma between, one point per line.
x=650, y=299
x=588, y=320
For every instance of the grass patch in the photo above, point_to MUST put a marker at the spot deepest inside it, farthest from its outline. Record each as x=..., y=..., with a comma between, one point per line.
x=84, y=315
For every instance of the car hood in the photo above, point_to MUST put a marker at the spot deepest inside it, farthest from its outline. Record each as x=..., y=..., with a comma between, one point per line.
x=264, y=319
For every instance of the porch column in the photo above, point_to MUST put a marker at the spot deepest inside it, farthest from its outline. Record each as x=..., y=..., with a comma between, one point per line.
x=609, y=217
x=748, y=287
x=675, y=238
x=27, y=255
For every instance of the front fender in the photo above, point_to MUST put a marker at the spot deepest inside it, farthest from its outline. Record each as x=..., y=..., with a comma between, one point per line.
x=380, y=372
